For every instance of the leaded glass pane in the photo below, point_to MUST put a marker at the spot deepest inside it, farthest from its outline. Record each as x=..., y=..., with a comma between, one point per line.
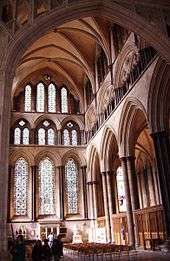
x=51, y=98
x=51, y=137
x=46, y=123
x=74, y=137
x=71, y=187
x=66, y=137
x=20, y=187
x=41, y=136
x=22, y=123
x=28, y=98
x=26, y=136
x=17, y=136
x=64, y=101
x=40, y=97
x=46, y=187
x=121, y=190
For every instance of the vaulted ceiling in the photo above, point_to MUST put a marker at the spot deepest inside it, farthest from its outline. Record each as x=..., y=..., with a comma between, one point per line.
x=69, y=50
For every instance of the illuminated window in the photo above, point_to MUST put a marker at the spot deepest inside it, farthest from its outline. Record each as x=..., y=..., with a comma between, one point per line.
x=40, y=97
x=21, y=187
x=121, y=190
x=74, y=137
x=17, y=136
x=51, y=98
x=66, y=137
x=70, y=134
x=64, y=100
x=71, y=178
x=25, y=136
x=46, y=187
x=41, y=136
x=28, y=98
x=51, y=137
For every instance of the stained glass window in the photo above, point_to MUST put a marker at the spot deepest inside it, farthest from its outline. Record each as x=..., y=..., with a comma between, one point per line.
x=46, y=187
x=40, y=97
x=64, y=100
x=121, y=190
x=51, y=137
x=17, y=136
x=66, y=137
x=74, y=137
x=26, y=136
x=41, y=136
x=20, y=186
x=51, y=98
x=28, y=98
x=71, y=186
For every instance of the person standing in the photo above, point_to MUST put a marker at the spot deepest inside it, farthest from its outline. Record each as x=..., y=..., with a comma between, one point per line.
x=37, y=251
x=46, y=251
x=57, y=248
x=50, y=239
x=18, y=249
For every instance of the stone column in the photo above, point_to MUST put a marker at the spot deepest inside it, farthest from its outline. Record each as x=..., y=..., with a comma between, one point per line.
x=59, y=137
x=83, y=170
x=130, y=223
x=61, y=191
x=106, y=207
x=33, y=182
x=5, y=108
x=162, y=152
x=94, y=199
x=110, y=202
x=90, y=192
x=133, y=191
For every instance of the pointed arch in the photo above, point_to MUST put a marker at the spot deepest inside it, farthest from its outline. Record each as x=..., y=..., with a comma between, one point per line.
x=133, y=120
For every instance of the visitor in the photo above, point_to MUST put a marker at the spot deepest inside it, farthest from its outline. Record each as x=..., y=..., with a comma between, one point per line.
x=50, y=239
x=18, y=249
x=57, y=248
x=37, y=251
x=46, y=251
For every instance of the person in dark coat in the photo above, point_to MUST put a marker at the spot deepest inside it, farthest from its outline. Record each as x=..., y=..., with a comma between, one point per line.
x=18, y=249
x=37, y=251
x=57, y=248
x=46, y=251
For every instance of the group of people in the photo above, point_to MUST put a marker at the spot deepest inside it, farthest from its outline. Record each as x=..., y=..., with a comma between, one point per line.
x=49, y=249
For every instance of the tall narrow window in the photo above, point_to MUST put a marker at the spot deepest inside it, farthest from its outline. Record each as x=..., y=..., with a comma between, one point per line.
x=121, y=190
x=51, y=98
x=46, y=187
x=74, y=137
x=71, y=178
x=25, y=136
x=20, y=187
x=51, y=137
x=17, y=136
x=40, y=97
x=27, y=104
x=64, y=100
x=66, y=137
x=41, y=136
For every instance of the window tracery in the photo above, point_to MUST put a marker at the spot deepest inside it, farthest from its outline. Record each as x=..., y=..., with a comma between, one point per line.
x=71, y=177
x=46, y=187
x=46, y=133
x=21, y=133
x=20, y=187
x=70, y=134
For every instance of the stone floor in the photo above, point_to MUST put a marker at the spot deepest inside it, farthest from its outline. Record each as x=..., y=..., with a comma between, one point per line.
x=140, y=255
